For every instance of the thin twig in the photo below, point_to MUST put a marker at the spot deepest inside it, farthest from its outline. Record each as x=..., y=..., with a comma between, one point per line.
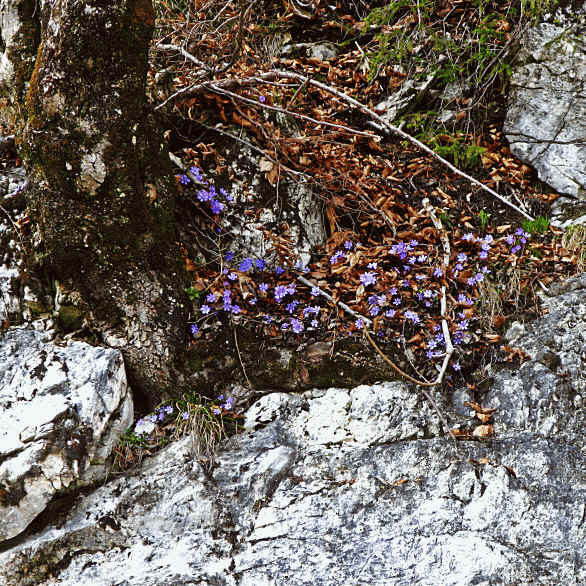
x=226, y=92
x=240, y=359
x=186, y=54
x=341, y=304
x=382, y=125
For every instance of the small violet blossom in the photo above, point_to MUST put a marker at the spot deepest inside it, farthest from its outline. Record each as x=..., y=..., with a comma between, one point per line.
x=245, y=265
x=368, y=278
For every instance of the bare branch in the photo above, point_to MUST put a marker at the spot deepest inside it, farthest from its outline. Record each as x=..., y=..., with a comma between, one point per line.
x=381, y=125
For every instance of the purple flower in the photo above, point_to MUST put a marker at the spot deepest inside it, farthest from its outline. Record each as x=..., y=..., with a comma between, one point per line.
x=262, y=99
x=184, y=180
x=422, y=258
x=485, y=246
x=291, y=288
x=412, y=316
x=185, y=415
x=510, y=240
x=488, y=239
x=291, y=307
x=461, y=257
x=194, y=329
x=229, y=256
x=285, y=326
x=368, y=278
x=459, y=266
x=515, y=249
x=456, y=366
x=168, y=409
x=204, y=195
x=374, y=310
x=235, y=309
x=483, y=254
x=205, y=309
x=296, y=326
x=245, y=265
x=268, y=319
x=263, y=287
x=253, y=301
x=413, y=243
x=336, y=257
x=468, y=237
x=232, y=276
x=396, y=301
x=211, y=298
x=372, y=265
x=471, y=281
x=419, y=277
x=280, y=292
x=260, y=264
x=393, y=291
x=390, y=313
x=437, y=272
x=216, y=410
x=315, y=291
x=479, y=277
x=359, y=324
x=216, y=206
x=314, y=323
x=279, y=270
x=348, y=245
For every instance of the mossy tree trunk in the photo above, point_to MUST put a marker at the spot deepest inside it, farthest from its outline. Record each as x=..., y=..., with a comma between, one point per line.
x=101, y=192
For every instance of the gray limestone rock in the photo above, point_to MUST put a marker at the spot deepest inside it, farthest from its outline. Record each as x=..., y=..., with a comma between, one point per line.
x=62, y=409
x=546, y=118
x=349, y=487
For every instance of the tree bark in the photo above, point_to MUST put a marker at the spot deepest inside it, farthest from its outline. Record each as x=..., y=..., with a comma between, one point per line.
x=101, y=192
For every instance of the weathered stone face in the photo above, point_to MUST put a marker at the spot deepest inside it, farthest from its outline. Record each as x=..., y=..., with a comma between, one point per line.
x=355, y=486
x=546, y=117
x=61, y=411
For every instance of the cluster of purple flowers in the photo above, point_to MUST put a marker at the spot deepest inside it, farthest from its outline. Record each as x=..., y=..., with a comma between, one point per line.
x=209, y=194
x=518, y=241
x=416, y=289
x=226, y=405
x=146, y=425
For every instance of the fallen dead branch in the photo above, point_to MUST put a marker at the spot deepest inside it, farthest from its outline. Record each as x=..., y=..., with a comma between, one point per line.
x=381, y=125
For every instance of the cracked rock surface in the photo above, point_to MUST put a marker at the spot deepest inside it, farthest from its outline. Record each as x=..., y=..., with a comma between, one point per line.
x=546, y=118
x=355, y=487
x=61, y=411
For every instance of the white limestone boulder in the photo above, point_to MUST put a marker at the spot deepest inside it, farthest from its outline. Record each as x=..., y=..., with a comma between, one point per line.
x=62, y=408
